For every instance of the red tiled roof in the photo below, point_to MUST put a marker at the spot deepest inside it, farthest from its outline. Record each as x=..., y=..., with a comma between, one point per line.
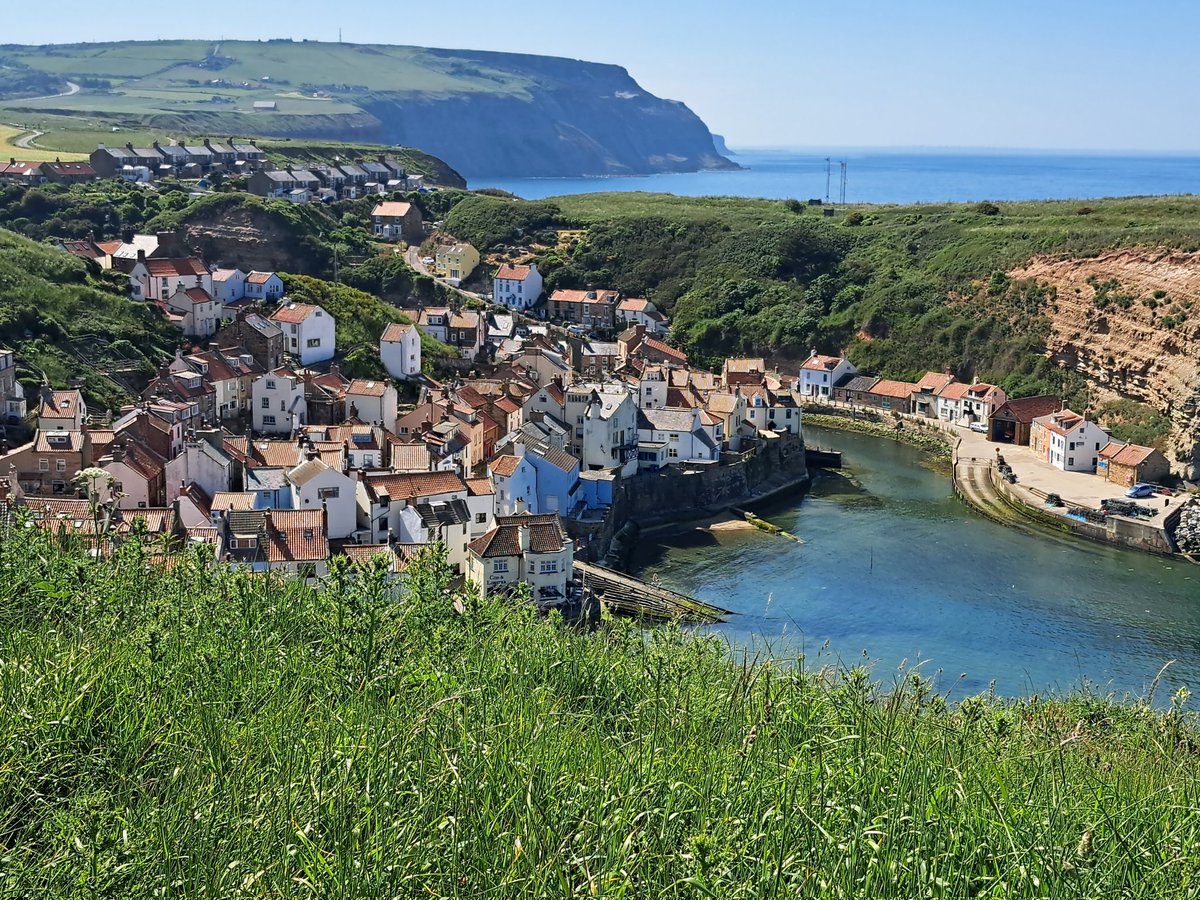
x=293, y=313
x=665, y=349
x=1126, y=454
x=395, y=332
x=164, y=268
x=392, y=209
x=504, y=466
x=933, y=382
x=571, y=296
x=480, y=487
x=545, y=536
x=1026, y=409
x=412, y=485
x=818, y=363
x=955, y=390
x=634, y=304
x=259, y=277
x=513, y=273
x=900, y=389
x=363, y=387
x=296, y=535
x=1063, y=422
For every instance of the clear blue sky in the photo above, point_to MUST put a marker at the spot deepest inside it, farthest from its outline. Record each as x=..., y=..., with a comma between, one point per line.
x=1096, y=75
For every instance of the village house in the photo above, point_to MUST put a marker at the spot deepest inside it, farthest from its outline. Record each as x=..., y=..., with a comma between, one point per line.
x=309, y=332
x=681, y=430
x=558, y=487
x=394, y=220
x=137, y=475
x=294, y=543
x=371, y=402
x=517, y=287
x=185, y=386
x=198, y=311
x=768, y=410
x=981, y=401
x=889, y=396
x=515, y=480
x=818, y=375
x=924, y=400
x=277, y=183
x=950, y=402
x=853, y=389
x=603, y=417
x=637, y=311
x=315, y=485
x=46, y=466
x=1068, y=441
x=435, y=322
x=523, y=549
x=591, y=309
x=466, y=333
x=258, y=336
x=481, y=503
x=12, y=395
x=265, y=287
x=278, y=403
x=228, y=285
x=325, y=396
x=400, y=350
x=202, y=462
x=455, y=261
x=1130, y=464
x=593, y=359
x=635, y=343
x=59, y=172
x=230, y=374
x=388, y=501
x=159, y=278
x=61, y=410
x=1013, y=420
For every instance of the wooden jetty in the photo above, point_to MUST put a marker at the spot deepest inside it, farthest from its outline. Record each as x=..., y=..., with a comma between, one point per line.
x=627, y=596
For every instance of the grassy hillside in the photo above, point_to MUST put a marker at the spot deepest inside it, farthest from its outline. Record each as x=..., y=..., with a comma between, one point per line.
x=64, y=320
x=905, y=288
x=184, y=730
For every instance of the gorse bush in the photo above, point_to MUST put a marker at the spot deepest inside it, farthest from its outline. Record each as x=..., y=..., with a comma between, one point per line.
x=173, y=729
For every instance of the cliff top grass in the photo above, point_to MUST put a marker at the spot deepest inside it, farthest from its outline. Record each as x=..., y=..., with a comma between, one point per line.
x=172, y=729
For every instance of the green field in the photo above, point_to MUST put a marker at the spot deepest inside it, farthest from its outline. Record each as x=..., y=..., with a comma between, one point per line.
x=186, y=731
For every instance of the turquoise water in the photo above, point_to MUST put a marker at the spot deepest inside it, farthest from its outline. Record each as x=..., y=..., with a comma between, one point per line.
x=903, y=177
x=897, y=571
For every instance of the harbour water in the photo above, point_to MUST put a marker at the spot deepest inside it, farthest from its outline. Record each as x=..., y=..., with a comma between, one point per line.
x=882, y=176
x=895, y=572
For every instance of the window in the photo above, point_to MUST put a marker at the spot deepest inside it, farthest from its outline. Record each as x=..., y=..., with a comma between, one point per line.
x=58, y=487
x=547, y=568
x=328, y=493
x=673, y=452
x=266, y=402
x=43, y=465
x=480, y=518
x=60, y=465
x=270, y=384
x=314, y=342
x=500, y=565
x=1071, y=461
x=268, y=420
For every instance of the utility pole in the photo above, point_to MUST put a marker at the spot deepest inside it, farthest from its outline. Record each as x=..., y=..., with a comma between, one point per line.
x=842, y=202
x=828, y=174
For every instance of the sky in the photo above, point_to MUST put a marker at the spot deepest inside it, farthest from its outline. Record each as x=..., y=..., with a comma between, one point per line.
x=1054, y=74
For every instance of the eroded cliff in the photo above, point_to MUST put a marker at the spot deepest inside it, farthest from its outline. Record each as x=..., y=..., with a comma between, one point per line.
x=1129, y=321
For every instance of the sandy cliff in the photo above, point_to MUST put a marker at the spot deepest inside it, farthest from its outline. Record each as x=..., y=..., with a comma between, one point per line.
x=1129, y=321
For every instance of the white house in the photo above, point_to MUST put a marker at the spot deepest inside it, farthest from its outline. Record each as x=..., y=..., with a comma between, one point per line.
x=818, y=375
x=313, y=484
x=201, y=311
x=384, y=497
x=517, y=287
x=400, y=350
x=515, y=481
x=636, y=311
x=481, y=501
x=228, y=285
x=523, y=549
x=435, y=322
x=308, y=332
x=1067, y=441
x=158, y=279
x=202, y=463
x=682, y=430
x=265, y=286
x=769, y=410
x=981, y=400
x=277, y=401
x=603, y=419
x=61, y=410
x=372, y=401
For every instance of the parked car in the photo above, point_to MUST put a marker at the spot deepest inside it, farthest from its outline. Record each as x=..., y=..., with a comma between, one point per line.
x=1140, y=490
x=427, y=261
x=980, y=427
x=577, y=329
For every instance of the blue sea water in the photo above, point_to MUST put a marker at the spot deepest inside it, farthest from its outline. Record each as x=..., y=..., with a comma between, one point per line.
x=881, y=176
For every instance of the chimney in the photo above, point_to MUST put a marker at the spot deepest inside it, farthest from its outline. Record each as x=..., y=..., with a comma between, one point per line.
x=523, y=532
x=129, y=146
x=156, y=147
x=141, y=255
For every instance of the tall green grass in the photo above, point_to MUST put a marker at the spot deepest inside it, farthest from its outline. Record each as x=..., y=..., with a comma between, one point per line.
x=182, y=731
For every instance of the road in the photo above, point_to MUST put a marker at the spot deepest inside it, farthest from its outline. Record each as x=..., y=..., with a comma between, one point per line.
x=413, y=258
x=72, y=89
x=26, y=140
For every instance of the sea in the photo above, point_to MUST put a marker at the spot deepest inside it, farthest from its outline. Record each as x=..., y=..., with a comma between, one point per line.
x=896, y=176
x=897, y=575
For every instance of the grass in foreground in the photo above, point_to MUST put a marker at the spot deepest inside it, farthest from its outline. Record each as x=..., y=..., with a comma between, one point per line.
x=185, y=732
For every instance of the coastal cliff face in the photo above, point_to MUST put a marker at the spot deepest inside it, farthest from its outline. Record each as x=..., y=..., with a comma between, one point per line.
x=574, y=118
x=1129, y=321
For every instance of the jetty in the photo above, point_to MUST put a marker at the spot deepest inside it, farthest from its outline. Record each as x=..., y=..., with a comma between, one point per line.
x=628, y=596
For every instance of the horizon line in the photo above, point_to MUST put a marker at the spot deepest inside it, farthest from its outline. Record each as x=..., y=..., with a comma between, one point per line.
x=952, y=148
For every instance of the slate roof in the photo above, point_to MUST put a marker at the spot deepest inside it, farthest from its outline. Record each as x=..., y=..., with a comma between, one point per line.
x=665, y=418
x=856, y=383
x=557, y=458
